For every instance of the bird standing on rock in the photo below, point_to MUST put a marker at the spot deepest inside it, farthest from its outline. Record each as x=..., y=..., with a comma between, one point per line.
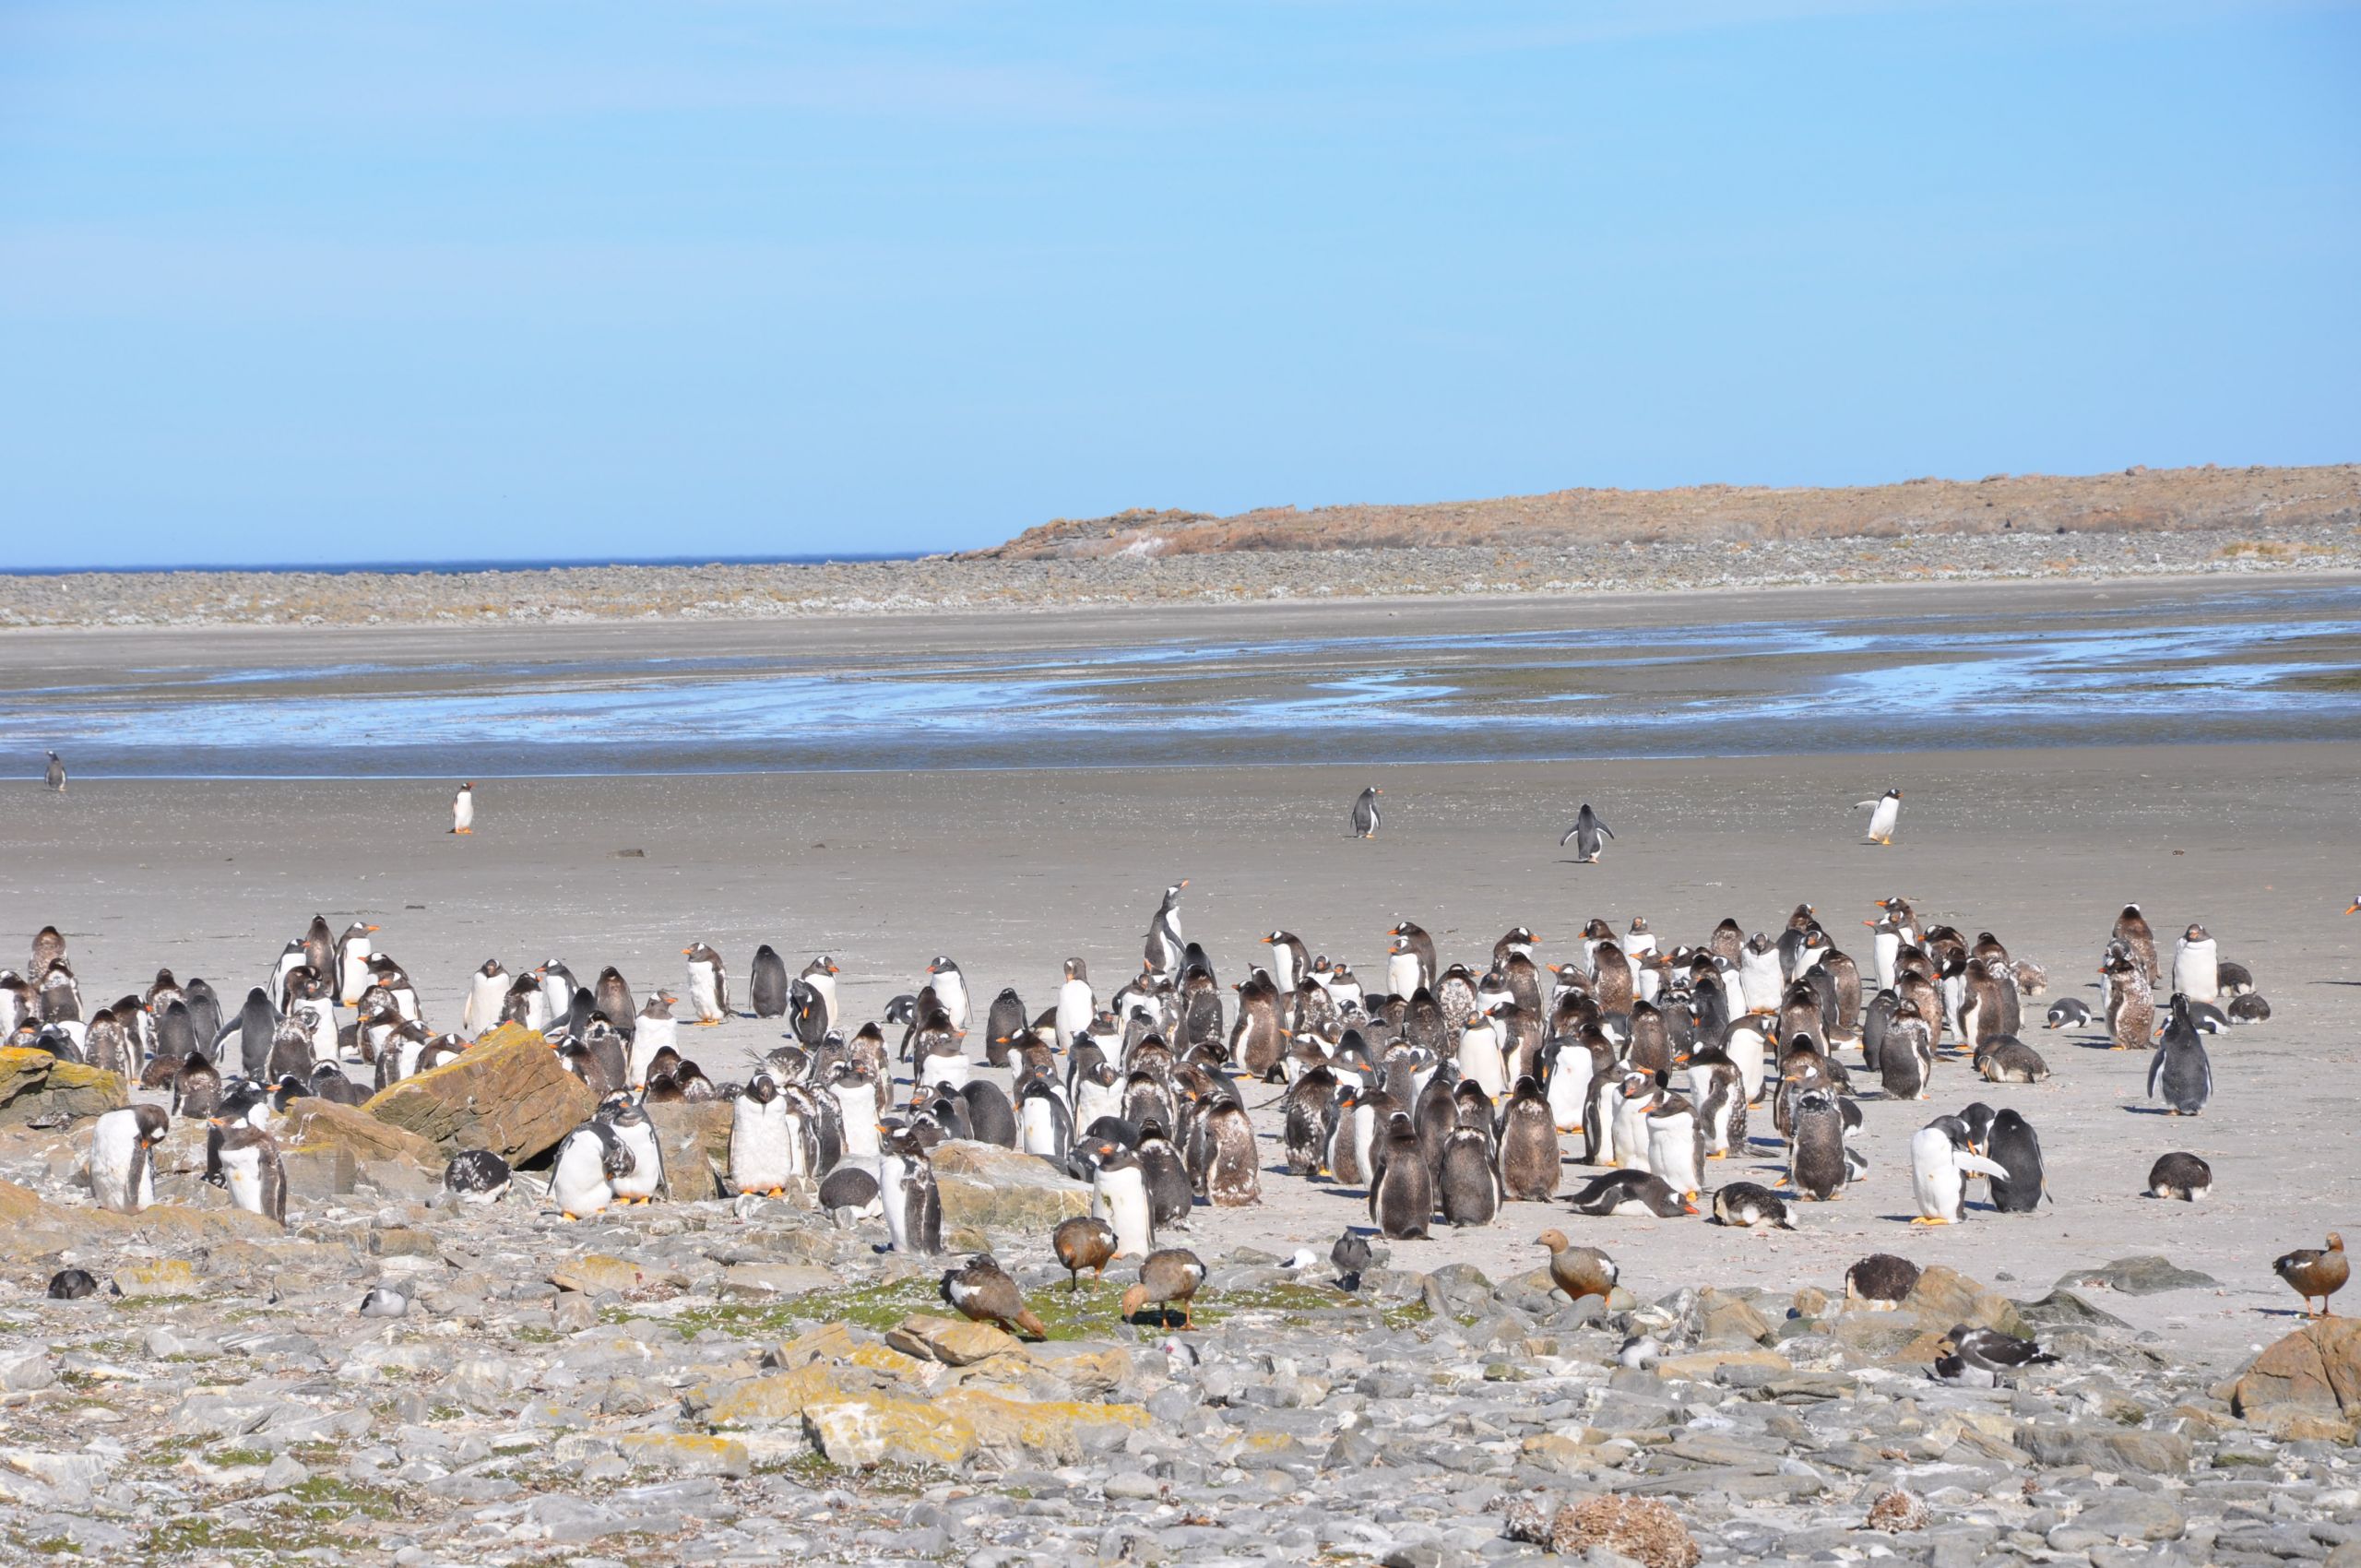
x=1978, y=1358
x=1578, y=1271
x=983, y=1292
x=2316, y=1274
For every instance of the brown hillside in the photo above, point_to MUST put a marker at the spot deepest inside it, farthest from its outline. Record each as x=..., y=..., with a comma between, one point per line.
x=2136, y=499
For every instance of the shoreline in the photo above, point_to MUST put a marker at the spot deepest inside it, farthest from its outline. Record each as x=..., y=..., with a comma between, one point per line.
x=933, y=586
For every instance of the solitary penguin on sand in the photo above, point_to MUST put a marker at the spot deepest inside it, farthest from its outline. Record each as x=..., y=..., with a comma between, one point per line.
x=1885, y=814
x=56, y=773
x=2316, y=1275
x=1166, y=1278
x=1588, y=835
x=2179, y=1175
x=1164, y=941
x=983, y=1292
x=1365, y=814
x=463, y=809
x=1081, y=1244
x=1578, y=1271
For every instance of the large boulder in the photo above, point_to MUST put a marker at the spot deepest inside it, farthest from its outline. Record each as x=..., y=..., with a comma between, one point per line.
x=1944, y=1298
x=2314, y=1372
x=38, y=1087
x=507, y=1093
x=323, y=1123
x=986, y=1187
x=695, y=1138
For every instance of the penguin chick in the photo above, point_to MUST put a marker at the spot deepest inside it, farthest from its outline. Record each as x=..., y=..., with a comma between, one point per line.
x=1748, y=1205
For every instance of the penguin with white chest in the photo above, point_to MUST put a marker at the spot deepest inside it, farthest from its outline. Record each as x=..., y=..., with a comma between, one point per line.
x=463, y=810
x=656, y=1030
x=1165, y=944
x=631, y=1125
x=589, y=1160
x=1885, y=815
x=1366, y=816
x=486, y=990
x=912, y=1203
x=123, y=1165
x=763, y=1155
x=251, y=1172
x=1941, y=1159
x=1077, y=1003
x=2196, y=966
x=708, y=984
x=1119, y=1196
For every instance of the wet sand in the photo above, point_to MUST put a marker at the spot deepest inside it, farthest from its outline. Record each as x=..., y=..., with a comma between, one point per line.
x=1010, y=871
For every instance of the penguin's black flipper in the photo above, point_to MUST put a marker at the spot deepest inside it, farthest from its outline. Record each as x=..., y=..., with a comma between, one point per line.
x=1570, y=834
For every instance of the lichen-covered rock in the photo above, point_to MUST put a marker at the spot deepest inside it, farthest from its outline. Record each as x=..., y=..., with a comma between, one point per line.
x=989, y=1188
x=874, y=1428
x=954, y=1342
x=507, y=1093
x=313, y=1123
x=38, y=1087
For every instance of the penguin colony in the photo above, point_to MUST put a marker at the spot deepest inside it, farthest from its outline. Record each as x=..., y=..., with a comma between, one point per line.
x=1446, y=1097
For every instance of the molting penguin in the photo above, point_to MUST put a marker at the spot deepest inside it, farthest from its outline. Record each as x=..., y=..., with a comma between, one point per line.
x=1817, y=1166
x=708, y=984
x=1940, y=1162
x=2181, y=1074
x=2005, y=1059
x=1530, y=1158
x=2014, y=1145
x=2180, y=1175
x=463, y=809
x=767, y=982
x=1588, y=835
x=1467, y=1188
x=2131, y=930
x=1400, y=1195
x=1748, y=1205
x=588, y=1161
x=913, y=1205
x=1906, y=1054
x=123, y=1165
x=1365, y=814
x=2131, y=1004
x=1882, y=1281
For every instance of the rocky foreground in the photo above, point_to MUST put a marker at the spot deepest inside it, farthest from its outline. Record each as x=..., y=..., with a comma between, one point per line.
x=1140, y=574
x=716, y=1379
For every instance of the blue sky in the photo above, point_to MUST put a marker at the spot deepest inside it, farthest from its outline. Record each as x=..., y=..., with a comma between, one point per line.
x=303, y=283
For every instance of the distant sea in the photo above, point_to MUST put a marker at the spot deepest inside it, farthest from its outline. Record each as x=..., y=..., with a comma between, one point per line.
x=457, y=568
x=2208, y=667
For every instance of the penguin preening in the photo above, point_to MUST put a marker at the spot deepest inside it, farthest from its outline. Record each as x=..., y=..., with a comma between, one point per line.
x=1366, y=815
x=1942, y=1159
x=122, y=1167
x=1885, y=814
x=1588, y=835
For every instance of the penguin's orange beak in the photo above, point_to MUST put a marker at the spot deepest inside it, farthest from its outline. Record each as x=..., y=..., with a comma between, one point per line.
x=2355, y=909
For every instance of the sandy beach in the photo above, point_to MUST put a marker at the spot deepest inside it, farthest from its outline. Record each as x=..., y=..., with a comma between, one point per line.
x=1010, y=871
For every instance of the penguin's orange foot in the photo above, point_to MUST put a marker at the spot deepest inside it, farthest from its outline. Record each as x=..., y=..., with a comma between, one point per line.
x=1922, y=1220
x=1719, y=1154
x=566, y=1217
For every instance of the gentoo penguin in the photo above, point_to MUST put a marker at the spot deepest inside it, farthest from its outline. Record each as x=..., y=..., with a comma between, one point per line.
x=351, y=962
x=588, y=1162
x=1940, y=1162
x=1467, y=1188
x=849, y=1195
x=1882, y=1281
x=2067, y=1013
x=1578, y=1271
x=2131, y=1004
x=1885, y=814
x=655, y=1030
x=1588, y=835
x=1401, y=1190
x=1760, y=981
x=641, y=1183
x=327, y=1082
x=1044, y=1125
x=1083, y=1243
x=196, y=1087
x=1637, y=1096
x=1166, y=1276
x=763, y=1156
x=2180, y=1072
x=123, y=1165
x=1258, y=1040
x=1906, y=1054
x=767, y=982
x=990, y=1118
x=1677, y=1144
x=1171, y=1188
x=463, y=809
x=1365, y=813
x=2315, y=1274
x=1719, y=1094
x=2014, y=1145
x=477, y=1176
x=950, y=986
x=251, y=1170
x=1006, y=1027
x=1748, y=1205
x=1351, y=1256
x=1817, y=1166
x=1980, y=1357
x=1630, y=1193
x=57, y=773
x=2131, y=930
x=708, y=984
x=2005, y=1059
x=1119, y=1195
x=107, y=1046
x=821, y=974
x=2179, y=1175
x=2196, y=968
x=913, y=1205
x=1077, y=1003
x=2248, y=1007
x=1290, y=960
x=983, y=1292
x=1530, y=1161
x=486, y=989
x=1164, y=941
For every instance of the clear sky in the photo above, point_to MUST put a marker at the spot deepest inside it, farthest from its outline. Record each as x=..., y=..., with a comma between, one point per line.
x=304, y=283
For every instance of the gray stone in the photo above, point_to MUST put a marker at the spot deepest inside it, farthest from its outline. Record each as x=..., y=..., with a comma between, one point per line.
x=2145, y=1275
